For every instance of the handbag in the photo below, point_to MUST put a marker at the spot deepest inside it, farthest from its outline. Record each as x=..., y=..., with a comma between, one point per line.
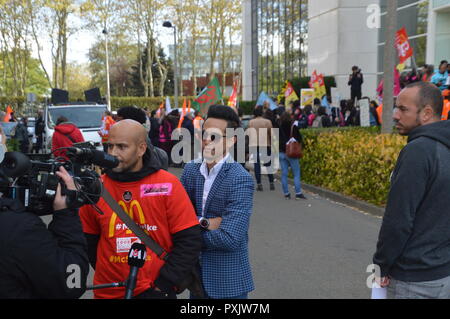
x=192, y=282
x=293, y=147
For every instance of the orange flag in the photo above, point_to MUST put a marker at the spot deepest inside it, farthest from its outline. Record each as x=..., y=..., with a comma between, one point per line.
x=7, y=117
x=189, y=107
x=183, y=112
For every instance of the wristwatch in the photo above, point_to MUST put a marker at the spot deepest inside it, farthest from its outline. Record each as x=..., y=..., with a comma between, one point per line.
x=204, y=222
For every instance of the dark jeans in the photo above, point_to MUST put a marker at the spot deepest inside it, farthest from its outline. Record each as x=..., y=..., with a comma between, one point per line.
x=356, y=94
x=256, y=153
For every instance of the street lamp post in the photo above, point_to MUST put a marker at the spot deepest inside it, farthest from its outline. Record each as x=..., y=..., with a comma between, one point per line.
x=108, y=97
x=168, y=24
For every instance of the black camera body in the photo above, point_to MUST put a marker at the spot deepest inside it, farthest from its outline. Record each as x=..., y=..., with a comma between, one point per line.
x=34, y=182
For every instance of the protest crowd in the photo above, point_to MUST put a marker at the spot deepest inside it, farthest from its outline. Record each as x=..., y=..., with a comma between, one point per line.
x=200, y=220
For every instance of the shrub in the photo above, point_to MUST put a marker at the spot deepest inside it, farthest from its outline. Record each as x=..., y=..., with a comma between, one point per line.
x=353, y=161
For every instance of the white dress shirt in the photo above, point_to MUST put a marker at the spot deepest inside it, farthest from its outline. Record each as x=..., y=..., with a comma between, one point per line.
x=210, y=178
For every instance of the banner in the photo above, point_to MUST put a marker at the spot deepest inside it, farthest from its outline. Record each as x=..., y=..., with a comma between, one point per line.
x=306, y=97
x=364, y=111
x=335, y=97
x=404, y=49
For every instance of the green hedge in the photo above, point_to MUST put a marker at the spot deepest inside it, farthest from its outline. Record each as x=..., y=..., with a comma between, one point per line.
x=353, y=161
x=303, y=83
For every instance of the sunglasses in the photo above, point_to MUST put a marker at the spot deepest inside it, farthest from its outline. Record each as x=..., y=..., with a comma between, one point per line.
x=213, y=136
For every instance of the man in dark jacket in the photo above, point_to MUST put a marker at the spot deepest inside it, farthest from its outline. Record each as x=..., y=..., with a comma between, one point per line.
x=39, y=128
x=36, y=262
x=413, y=249
x=157, y=201
x=21, y=135
x=356, y=81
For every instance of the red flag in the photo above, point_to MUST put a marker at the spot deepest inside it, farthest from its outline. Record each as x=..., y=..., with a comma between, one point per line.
x=404, y=49
x=233, y=98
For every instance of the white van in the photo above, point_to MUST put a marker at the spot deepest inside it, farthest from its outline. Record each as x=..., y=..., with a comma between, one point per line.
x=87, y=117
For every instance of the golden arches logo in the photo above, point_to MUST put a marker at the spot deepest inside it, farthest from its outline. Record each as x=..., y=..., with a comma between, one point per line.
x=130, y=212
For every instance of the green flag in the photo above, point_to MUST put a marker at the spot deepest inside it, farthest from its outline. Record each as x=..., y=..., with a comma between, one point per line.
x=210, y=95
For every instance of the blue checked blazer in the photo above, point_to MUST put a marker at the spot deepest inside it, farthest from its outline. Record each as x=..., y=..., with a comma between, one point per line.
x=224, y=259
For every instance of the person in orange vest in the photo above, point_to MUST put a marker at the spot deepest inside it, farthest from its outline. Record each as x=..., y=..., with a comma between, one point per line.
x=380, y=113
x=107, y=122
x=446, y=107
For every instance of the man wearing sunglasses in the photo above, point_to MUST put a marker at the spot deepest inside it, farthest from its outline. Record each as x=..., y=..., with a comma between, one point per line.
x=221, y=191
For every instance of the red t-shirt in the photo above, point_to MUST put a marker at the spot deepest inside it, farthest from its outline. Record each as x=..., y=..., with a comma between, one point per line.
x=159, y=204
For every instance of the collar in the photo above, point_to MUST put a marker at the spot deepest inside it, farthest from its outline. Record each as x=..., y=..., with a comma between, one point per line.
x=216, y=168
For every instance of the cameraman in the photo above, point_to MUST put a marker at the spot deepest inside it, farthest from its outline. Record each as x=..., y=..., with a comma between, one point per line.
x=355, y=81
x=36, y=262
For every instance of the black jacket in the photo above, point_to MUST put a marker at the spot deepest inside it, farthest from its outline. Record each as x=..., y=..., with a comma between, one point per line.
x=34, y=260
x=356, y=81
x=186, y=243
x=285, y=135
x=414, y=240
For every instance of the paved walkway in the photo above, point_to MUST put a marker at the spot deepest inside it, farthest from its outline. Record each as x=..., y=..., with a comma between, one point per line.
x=312, y=248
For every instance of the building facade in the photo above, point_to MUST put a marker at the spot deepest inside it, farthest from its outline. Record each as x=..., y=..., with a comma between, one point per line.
x=331, y=36
x=342, y=34
x=274, y=44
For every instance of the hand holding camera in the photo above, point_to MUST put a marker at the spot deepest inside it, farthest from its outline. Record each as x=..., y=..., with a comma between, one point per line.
x=68, y=183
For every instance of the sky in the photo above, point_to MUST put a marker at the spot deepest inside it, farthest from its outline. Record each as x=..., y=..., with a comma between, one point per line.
x=80, y=43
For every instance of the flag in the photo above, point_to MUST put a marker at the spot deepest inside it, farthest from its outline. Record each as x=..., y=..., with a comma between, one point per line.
x=263, y=97
x=289, y=95
x=210, y=95
x=233, y=98
x=183, y=113
x=404, y=49
x=189, y=107
x=158, y=113
x=318, y=84
x=7, y=117
x=168, y=107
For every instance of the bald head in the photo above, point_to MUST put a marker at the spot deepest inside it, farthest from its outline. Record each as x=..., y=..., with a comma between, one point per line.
x=128, y=142
x=130, y=130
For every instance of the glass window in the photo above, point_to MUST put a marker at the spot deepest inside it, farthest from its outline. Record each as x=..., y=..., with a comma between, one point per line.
x=82, y=117
x=414, y=19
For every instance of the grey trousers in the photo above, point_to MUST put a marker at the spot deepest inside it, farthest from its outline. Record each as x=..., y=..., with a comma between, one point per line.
x=436, y=289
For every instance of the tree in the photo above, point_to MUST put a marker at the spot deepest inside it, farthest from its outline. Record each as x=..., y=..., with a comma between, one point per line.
x=78, y=80
x=15, y=44
x=217, y=16
x=160, y=82
x=122, y=58
x=54, y=20
x=143, y=18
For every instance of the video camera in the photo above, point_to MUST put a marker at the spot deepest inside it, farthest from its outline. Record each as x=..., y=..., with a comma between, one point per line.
x=34, y=182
